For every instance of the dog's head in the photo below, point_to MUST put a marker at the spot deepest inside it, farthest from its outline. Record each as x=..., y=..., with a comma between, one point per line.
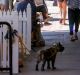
x=58, y=46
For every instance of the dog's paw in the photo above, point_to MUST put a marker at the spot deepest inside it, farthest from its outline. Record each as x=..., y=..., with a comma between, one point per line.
x=53, y=68
x=48, y=67
x=42, y=70
x=37, y=69
x=19, y=70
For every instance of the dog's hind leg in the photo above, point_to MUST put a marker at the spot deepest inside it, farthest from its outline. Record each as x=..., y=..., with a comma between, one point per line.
x=39, y=59
x=43, y=65
x=48, y=64
x=37, y=65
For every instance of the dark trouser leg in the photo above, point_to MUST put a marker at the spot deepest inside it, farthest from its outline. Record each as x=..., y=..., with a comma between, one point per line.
x=77, y=13
x=71, y=20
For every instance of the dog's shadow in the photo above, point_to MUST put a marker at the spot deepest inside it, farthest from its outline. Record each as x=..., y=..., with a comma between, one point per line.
x=64, y=69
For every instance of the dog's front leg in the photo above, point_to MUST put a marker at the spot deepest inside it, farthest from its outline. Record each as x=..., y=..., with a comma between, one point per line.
x=37, y=65
x=53, y=62
x=43, y=65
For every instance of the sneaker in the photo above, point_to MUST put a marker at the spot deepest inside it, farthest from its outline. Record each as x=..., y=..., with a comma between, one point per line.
x=72, y=39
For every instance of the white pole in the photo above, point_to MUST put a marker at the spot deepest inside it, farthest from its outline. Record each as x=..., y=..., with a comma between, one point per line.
x=28, y=37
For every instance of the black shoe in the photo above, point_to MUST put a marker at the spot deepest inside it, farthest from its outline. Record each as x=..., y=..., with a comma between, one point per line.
x=76, y=37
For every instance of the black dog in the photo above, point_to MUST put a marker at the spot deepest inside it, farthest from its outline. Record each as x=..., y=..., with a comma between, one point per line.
x=49, y=55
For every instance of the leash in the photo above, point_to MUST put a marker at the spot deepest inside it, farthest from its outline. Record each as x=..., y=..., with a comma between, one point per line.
x=21, y=43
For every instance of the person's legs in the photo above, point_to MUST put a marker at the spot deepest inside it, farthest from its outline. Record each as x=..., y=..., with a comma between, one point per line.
x=71, y=22
x=76, y=22
x=42, y=9
x=64, y=11
x=60, y=7
x=45, y=15
x=45, y=6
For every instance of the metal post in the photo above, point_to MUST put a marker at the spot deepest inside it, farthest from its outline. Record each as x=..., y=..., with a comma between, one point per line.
x=10, y=47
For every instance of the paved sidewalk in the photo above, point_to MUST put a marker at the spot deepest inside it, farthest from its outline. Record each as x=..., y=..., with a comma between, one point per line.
x=68, y=62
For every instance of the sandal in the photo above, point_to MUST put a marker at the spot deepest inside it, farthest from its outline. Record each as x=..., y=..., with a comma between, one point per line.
x=64, y=24
x=61, y=20
x=47, y=23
